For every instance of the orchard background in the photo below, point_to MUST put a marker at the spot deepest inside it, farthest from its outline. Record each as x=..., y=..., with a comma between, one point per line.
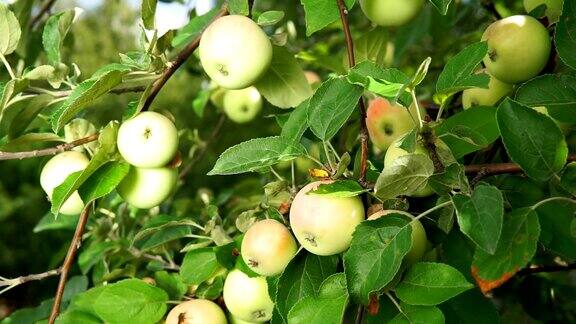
x=475, y=177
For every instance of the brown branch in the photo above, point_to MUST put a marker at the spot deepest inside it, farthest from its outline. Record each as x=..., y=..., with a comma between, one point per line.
x=176, y=63
x=47, y=151
x=44, y=10
x=204, y=148
x=68, y=261
x=11, y=283
x=550, y=268
x=364, y=136
x=500, y=168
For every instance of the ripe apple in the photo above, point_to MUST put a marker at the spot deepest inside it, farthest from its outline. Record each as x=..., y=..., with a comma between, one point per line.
x=390, y=13
x=395, y=152
x=145, y=188
x=196, y=311
x=419, y=239
x=56, y=170
x=486, y=97
x=235, y=52
x=247, y=298
x=241, y=106
x=267, y=247
x=387, y=122
x=553, y=7
x=149, y=140
x=324, y=225
x=518, y=48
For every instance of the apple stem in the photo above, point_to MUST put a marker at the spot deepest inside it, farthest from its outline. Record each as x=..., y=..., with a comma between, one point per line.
x=415, y=101
x=8, y=67
x=329, y=157
x=276, y=174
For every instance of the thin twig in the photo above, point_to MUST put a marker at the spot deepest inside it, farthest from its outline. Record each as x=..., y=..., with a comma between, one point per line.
x=47, y=151
x=44, y=10
x=176, y=63
x=68, y=261
x=360, y=315
x=500, y=168
x=547, y=269
x=204, y=149
x=364, y=137
x=11, y=283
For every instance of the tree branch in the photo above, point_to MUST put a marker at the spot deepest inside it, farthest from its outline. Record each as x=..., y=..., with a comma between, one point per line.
x=44, y=10
x=11, y=283
x=500, y=168
x=364, y=136
x=176, y=63
x=550, y=268
x=68, y=261
x=47, y=151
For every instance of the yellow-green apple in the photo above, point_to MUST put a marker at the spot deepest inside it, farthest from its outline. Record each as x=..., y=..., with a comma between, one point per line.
x=235, y=320
x=149, y=140
x=387, y=122
x=324, y=225
x=145, y=188
x=56, y=170
x=235, y=52
x=241, y=106
x=390, y=13
x=553, y=7
x=518, y=48
x=247, y=298
x=267, y=247
x=395, y=152
x=196, y=311
x=486, y=97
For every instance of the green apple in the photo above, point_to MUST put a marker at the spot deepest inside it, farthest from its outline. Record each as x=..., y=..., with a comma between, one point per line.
x=390, y=13
x=518, y=48
x=145, y=188
x=553, y=7
x=267, y=247
x=387, y=122
x=56, y=170
x=235, y=320
x=486, y=97
x=149, y=140
x=235, y=52
x=419, y=239
x=196, y=311
x=324, y=225
x=241, y=106
x=395, y=152
x=247, y=298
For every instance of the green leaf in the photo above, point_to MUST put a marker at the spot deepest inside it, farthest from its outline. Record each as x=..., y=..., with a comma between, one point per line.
x=297, y=123
x=131, y=301
x=321, y=13
x=453, y=177
x=94, y=253
x=55, y=30
x=568, y=178
x=375, y=255
x=270, y=18
x=171, y=283
x=480, y=216
x=428, y=284
x=532, y=140
x=408, y=141
x=564, y=36
x=148, y=13
x=420, y=73
x=384, y=82
x=441, y=5
x=372, y=46
x=49, y=222
x=516, y=248
x=199, y=103
x=103, y=181
x=302, y=278
x=458, y=73
x=327, y=307
x=256, y=154
x=470, y=307
x=9, y=30
x=556, y=218
x=194, y=28
x=418, y=315
x=284, y=84
x=238, y=7
x=555, y=92
x=8, y=91
x=198, y=265
x=331, y=106
x=339, y=189
x=406, y=175
x=162, y=229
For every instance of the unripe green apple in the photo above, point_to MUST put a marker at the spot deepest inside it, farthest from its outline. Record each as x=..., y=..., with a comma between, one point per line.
x=553, y=7
x=387, y=122
x=395, y=152
x=241, y=106
x=486, y=97
x=518, y=48
x=267, y=247
x=324, y=225
x=196, y=311
x=390, y=13
x=235, y=320
x=56, y=170
x=149, y=140
x=247, y=298
x=419, y=239
x=145, y=188
x=235, y=52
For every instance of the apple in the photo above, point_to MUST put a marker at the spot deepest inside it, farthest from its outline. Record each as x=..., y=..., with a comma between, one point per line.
x=518, y=48
x=387, y=122
x=419, y=239
x=241, y=106
x=149, y=140
x=235, y=52
x=247, y=298
x=389, y=13
x=267, y=247
x=313, y=79
x=145, y=188
x=235, y=320
x=553, y=7
x=324, y=225
x=486, y=97
x=395, y=152
x=56, y=170
x=196, y=311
